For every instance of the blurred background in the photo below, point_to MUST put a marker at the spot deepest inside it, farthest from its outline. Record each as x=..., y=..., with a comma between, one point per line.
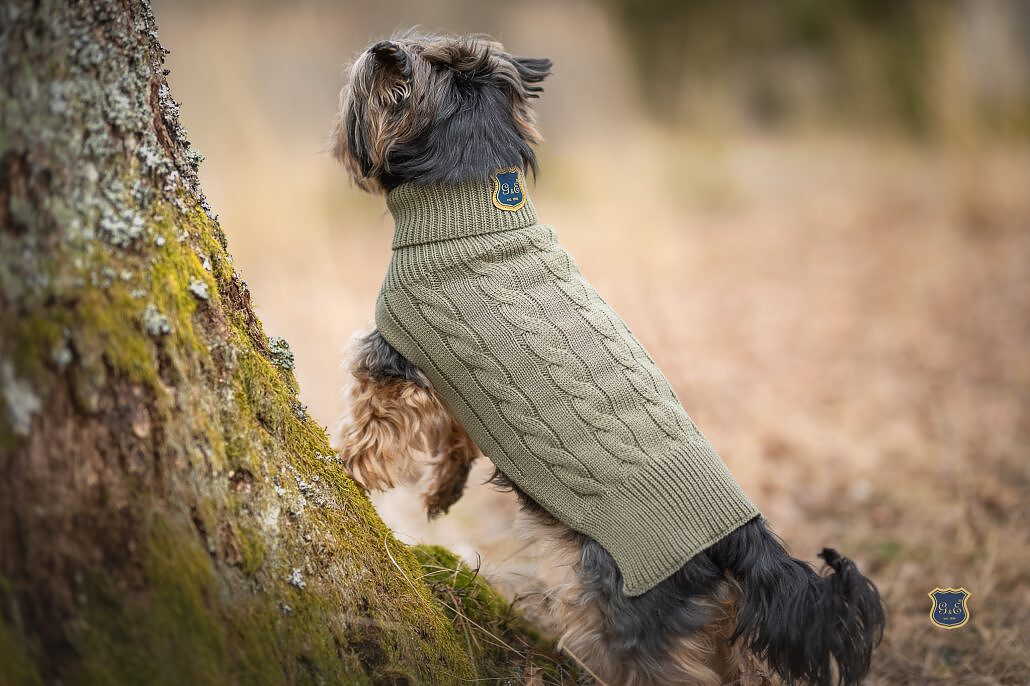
x=814, y=213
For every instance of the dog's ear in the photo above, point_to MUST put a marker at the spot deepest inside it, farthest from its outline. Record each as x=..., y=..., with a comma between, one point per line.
x=392, y=58
x=390, y=67
x=524, y=82
x=532, y=70
x=470, y=57
x=372, y=113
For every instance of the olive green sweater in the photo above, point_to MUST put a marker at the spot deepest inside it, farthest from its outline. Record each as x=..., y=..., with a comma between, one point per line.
x=548, y=380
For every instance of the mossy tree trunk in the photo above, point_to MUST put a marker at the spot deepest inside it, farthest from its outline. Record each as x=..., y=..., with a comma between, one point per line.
x=168, y=512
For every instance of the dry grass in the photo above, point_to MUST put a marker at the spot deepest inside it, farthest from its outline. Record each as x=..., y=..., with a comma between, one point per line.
x=847, y=317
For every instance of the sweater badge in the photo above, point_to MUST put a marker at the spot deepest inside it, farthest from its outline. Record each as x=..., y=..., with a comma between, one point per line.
x=508, y=193
x=949, y=609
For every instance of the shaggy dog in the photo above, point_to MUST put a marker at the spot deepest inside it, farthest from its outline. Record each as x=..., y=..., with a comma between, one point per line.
x=437, y=109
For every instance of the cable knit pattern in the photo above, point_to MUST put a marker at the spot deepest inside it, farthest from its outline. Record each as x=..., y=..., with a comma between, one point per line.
x=566, y=370
x=549, y=382
x=515, y=406
x=640, y=369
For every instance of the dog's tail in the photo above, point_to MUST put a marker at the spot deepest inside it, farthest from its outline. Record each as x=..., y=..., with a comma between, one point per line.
x=808, y=627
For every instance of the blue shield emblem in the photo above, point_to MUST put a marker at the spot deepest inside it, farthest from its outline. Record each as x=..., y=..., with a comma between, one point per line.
x=949, y=609
x=509, y=193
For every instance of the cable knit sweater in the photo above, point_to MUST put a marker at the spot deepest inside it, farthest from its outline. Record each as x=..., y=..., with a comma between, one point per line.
x=548, y=380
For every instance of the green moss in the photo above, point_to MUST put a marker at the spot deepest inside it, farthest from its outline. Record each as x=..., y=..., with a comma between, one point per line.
x=261, y=389
x=442, y=569
x=196, y=626
x=252, y=550
x=33, y=337
x=8, y=439
x=171, y=635
x=502, y=643
x=103, y=320
x=17, y=667
x=221, y=266
x=107, y=328
x=173, y=267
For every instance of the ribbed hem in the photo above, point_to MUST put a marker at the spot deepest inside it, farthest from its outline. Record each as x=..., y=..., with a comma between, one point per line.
x=667, y=513
x=426, y=214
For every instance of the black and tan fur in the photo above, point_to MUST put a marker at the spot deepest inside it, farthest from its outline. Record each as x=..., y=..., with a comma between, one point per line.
x=432, y=109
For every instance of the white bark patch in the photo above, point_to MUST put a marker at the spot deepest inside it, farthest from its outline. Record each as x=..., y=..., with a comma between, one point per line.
x=21, y=401
x=297, y=579
x=199, y=289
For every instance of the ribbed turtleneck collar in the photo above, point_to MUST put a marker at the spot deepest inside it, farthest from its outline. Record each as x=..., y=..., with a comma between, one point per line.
x=425, y=214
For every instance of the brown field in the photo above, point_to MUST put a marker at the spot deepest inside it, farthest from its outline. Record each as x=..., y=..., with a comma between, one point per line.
x=845, y=313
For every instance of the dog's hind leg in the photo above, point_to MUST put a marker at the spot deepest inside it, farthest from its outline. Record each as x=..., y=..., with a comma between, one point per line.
x=809, y=627
x=394, y=414
x=677, y=633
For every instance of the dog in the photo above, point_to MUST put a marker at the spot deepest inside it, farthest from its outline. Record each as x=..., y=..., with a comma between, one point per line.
x=430, y=111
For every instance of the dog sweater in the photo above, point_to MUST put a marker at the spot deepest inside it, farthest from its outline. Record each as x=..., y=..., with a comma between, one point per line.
x=548, y=380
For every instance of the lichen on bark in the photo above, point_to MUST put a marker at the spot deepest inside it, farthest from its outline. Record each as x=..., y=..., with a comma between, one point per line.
x=168, y=510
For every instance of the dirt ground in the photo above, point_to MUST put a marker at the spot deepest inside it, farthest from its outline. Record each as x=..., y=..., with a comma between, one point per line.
x=845, y=315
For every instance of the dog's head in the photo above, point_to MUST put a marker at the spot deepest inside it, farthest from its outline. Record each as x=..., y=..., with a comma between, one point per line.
x=436, y=109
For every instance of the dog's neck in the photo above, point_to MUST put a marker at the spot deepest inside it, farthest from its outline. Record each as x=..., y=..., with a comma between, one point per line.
x=439, y=212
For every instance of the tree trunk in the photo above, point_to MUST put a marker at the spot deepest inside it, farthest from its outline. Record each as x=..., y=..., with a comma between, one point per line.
x=168, y=511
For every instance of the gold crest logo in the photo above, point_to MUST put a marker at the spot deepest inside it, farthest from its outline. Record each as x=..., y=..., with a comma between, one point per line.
x=949, y=609
x=508, y=192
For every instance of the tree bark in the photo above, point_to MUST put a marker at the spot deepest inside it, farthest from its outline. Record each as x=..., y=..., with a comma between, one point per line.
x=168, y=511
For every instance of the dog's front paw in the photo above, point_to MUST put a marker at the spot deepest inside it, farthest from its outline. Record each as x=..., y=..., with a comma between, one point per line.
x=439, y=503
x=456, y=453
x=447, y=486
